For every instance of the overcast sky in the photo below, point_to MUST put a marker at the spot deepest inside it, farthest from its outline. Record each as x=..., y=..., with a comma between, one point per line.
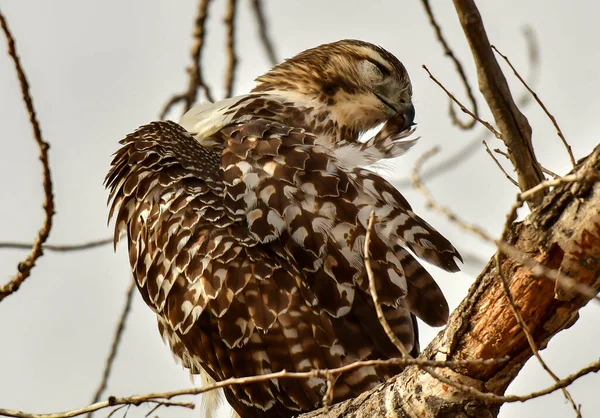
x=98, y=70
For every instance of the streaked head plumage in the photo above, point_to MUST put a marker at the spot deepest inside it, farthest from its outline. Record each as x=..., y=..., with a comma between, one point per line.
x=361, y=84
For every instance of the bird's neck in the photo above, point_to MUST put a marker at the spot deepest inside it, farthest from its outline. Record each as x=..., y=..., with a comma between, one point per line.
x=300, y=111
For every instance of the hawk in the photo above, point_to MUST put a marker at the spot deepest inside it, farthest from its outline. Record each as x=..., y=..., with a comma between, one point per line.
x=246, y=228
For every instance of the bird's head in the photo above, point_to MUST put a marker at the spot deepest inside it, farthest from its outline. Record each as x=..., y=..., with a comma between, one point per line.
x=351, y=85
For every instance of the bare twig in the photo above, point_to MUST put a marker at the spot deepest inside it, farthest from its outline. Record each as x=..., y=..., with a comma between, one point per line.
x=117, y=409
x=469, y=149
x=462, y=107
x=510, y=218
x=394, y=339
x=527, y=332
x=459, y=69
x=162, y=396
x=262, y=28
x=544, y=169
x=373, y=289
x=88, y=245
x=196, y=80
x=536, y=268
x=447, y=163
x=112, y=401
x=115, y=343
x=533, y=55
x=231, y=56
x=160, y=404
x=542, y=105
x=25, y=267
x=516, y=132
x=487, y=149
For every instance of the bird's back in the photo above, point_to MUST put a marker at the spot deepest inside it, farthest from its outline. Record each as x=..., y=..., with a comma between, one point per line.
x=251, y=255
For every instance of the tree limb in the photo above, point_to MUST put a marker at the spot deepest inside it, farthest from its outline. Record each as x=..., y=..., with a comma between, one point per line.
x=459, y=70
x=24, y=268
x=515, y=129
x=563, y=233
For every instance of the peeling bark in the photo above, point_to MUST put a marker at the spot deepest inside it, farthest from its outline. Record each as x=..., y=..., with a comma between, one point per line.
x=562, y=233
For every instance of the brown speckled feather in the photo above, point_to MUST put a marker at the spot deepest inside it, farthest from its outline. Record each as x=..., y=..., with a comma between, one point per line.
x=246, y=238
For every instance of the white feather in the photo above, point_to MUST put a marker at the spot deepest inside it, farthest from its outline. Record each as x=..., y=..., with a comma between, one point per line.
x=212, y=399
x=204, y=119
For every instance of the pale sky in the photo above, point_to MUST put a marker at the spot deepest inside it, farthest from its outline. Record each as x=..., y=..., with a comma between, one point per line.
x=98, y=70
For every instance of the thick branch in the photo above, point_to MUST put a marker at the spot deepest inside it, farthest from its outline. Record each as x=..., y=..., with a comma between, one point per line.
x=562, y=233
x=515, y=129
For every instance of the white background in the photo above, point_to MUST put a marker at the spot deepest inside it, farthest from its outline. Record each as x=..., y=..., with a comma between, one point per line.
x=98, y=70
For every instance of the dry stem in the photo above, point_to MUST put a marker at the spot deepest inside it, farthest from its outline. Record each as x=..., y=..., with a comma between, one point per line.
x=115, y=343
x=283, y=374
x=515, y=129
x=25, y=267
x=262, y=30
x=462, y=107
x=230, y=47
x=537, y=269
x=87, y=245
x=459, y=69
x=196, y=79
x=487, y=149
x=542, y=105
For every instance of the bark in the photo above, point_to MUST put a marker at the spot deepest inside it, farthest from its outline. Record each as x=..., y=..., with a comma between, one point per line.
x=563, y=233
x=515, y=129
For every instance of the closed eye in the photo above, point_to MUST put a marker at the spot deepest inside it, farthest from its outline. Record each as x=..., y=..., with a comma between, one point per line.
x=382, y=68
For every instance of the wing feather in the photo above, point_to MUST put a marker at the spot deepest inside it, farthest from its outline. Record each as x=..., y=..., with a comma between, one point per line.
x=247, y=240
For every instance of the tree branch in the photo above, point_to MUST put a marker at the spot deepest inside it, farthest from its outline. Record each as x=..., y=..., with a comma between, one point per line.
x=196, y=79
x=112, y=355
x=230, y=47
x=25, y=267
x=263, y=32
x=515, y=129
x=542, y=105
x=60, y=248
x=459, y=70
x=562, y=234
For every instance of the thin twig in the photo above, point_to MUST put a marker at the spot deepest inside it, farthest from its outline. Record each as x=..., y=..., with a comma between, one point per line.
x=544, y=169
x=533, y=55
x=114, y=411
x=394, y=339
x=88, y=245
x=510, y=218
x=230, y=47
x=472, y=146
x=283, y=374
x=25, y=267
x=115, y=343
x=537, y=269
x=448, y=163
x=462, y=107
x=196, y=80
x=542, y=105
x=373, y=289
x=504, y=248
x=514, y=126
x=459, y=69
x=160, y=404
x=487, y=149
x=153, y=397
x=262, y=29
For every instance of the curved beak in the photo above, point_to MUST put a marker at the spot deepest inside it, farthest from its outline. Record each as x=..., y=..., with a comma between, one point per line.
x=396, y=108
x=408, y=112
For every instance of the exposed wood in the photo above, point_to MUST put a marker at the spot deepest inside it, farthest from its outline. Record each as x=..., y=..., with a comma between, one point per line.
x=562, y=233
